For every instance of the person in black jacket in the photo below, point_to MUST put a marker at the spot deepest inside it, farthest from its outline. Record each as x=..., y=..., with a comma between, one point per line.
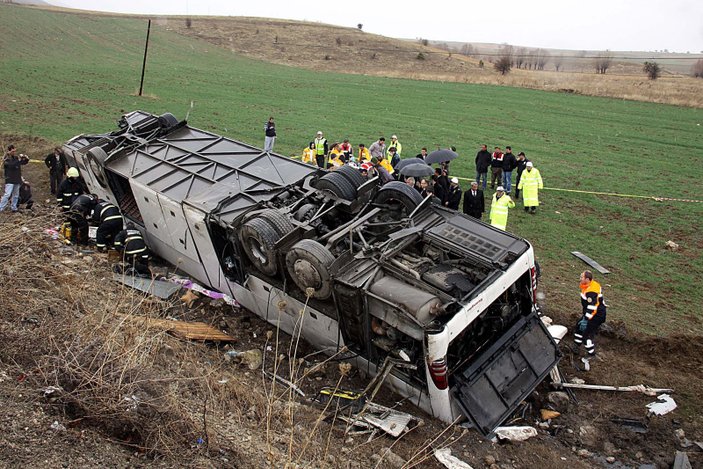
x=474, y=204
x=109, y=221
x=134, y=250
x=270, y=135
x=521, y=165
x=70, y=189
x=483, y=161
x=509, y=164
x=56, y=162
x=440, y=186
x=453, y=198
x=12, y=166
x=26, y=195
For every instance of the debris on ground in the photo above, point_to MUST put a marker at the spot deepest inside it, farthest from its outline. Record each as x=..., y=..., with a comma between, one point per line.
x=444, y=455
x=391, y=421
x=184, y=330
x=547, y=414
x=634, y=425
x=158, y=288
x=681, y=461
x=662, y=406
x=192, y=286
x=288, y=383
x=672, y=246
x=57, y=427
x=636, y=388
x=189, y=298
x=591, y=262
x=516, y=433
x=250, y=358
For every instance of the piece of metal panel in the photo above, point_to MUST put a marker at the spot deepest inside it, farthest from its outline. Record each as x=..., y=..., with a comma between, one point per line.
x=591, y=262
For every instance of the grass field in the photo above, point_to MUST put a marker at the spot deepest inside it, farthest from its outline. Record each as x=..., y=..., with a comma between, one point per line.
x=64, y=74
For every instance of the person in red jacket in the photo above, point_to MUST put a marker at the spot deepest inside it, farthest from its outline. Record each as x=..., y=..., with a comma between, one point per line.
x=593, y=315
x=496, y=167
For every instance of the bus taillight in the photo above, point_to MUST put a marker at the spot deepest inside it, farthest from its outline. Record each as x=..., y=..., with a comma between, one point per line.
x=438, y=371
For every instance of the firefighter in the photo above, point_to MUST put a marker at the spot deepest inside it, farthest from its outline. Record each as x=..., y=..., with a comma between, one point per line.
x=109, y=221
x=593, y=315
x=499, y=208
x=69, y=189
x=530, y=183
x=134, y=250
x=78, y=216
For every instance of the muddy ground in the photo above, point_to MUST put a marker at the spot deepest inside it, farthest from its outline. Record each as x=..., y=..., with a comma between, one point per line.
x=220, y=413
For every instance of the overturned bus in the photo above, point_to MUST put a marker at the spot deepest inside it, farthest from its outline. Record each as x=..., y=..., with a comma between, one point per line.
x=382, y=271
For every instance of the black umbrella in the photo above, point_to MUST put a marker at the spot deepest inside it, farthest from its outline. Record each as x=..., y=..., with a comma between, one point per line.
x=403, y=163
x=440, y=156
x=417, y=170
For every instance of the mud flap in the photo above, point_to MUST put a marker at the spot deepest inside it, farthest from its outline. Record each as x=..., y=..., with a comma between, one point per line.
x=490, y=388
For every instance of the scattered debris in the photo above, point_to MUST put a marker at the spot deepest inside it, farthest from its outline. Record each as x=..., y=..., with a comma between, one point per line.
x=681, y=461
x=132, y=402
x=559, y=400
x=444, y=455
x=576, y=380
x=190, y=285
x=591, y=262
x=157, y=288
x=389, y=458
x=672, y=246
x=189, y=298
x=636, y=388
x=662, y=406
x=251, y=358
x=281, y=380
x=57, y=427
x=391, y=421
x=589, y=435
x=547, y=414
x=519, y=433
x=633, y=425
x=183, y=329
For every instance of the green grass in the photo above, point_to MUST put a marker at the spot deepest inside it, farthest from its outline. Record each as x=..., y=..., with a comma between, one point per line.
x=65, y=74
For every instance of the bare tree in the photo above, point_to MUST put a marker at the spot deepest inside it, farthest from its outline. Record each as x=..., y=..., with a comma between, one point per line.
x=558, y=61
x=467, y=50
x=603, y=61
x=520, y=55
x=505, y=61
x=697, y=69
x=541, y=59
x=652, y=69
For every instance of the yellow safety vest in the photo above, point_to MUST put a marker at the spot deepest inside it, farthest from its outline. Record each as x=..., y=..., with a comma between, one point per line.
x=530, y=183
x=499, y=211
x=320, y=145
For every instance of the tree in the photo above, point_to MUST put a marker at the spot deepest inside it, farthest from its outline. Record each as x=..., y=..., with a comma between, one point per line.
x=520, y=55
x=603, y=61
x=558, y=62
x=541, y=59
x=697, y=69
x=359, y=26
x=467, y=50
x=652, y=69
x=189, y=23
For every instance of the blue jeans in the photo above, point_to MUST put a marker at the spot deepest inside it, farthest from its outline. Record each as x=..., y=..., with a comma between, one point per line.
x=478, y=179
x=11, y=190
x=507, y=180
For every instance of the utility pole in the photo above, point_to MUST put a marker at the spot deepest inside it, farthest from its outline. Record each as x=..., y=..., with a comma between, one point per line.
x=146, y=49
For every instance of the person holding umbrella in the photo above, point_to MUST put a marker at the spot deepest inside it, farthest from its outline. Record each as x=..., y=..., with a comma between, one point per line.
x=499, y=208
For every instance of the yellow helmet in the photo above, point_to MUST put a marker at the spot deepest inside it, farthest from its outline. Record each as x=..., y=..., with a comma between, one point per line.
x=73, y=173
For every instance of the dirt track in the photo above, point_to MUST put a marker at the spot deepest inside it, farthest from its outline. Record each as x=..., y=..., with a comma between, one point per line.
x=234, y=421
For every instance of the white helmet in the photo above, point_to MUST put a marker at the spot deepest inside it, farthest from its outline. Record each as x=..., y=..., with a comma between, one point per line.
x=73, y=172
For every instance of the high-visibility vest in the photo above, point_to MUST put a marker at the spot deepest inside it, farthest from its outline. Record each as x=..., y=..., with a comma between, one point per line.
x=499, y=211
x=364, y=154
x=530, y=183
x=320, y=145
x=398, y=148
x=335, y=158
x=592, y=299
x=308, y=155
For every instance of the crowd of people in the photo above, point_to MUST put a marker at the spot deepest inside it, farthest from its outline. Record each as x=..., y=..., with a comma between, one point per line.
x=382, y=158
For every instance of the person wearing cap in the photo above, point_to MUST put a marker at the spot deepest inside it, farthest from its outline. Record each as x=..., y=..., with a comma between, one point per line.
x=378, y=148
x=70, y=189
x=530, y=184
x=499, y=208
x=474, y=204
x=394, y=144
x=521, y=165
x=453, y=198
x=321, y=149
x=12, y=166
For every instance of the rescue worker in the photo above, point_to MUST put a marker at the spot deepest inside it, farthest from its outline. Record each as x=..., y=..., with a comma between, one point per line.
x=336, y=156
x=394, y=144
x=593, y=315
x=69, y=189
x=109, y=221
x=453, y=198
x=320, y=149
x=78, y=216
x=499, y=208
x=364, y=155
x=530, y=183
x=309, y=154
x=134, y=250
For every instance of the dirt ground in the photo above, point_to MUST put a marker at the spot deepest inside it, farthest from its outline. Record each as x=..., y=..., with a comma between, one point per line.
x=193, y=408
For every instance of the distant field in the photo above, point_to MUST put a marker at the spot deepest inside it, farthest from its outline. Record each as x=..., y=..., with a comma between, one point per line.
x=64, y=74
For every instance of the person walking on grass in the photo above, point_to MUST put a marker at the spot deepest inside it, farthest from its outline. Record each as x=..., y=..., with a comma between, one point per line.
x=593, y=313
x=530, y=184
x=12, y=166
x=499, y=208
x=270, y=135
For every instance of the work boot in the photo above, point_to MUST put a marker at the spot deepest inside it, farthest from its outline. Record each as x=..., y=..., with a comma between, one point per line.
x=527, y=209
x=533, y=210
